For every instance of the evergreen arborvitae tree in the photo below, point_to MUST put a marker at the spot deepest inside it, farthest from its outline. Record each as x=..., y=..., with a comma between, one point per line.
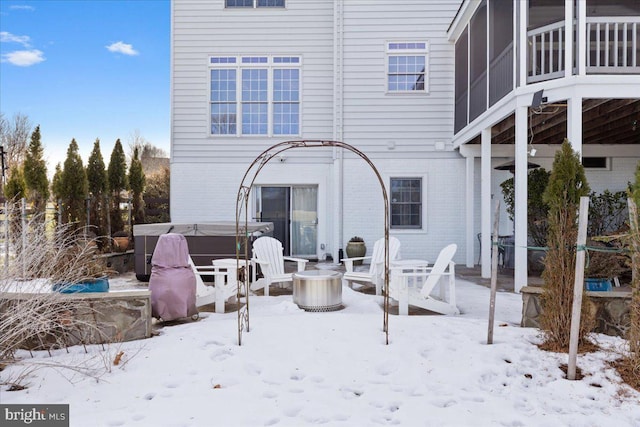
x=56, y=183
x=117, y=177
x=97, y=180
x=15, y=187
x=73, y=186
x=56, y=187
x=634, y=248
x=158, y=187
x=567, y=184
x=35, y=174
x=137, y=182
x=635, y=187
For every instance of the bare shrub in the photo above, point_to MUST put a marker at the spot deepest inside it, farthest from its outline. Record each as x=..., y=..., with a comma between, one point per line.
x=31, y=315
x=634, y=247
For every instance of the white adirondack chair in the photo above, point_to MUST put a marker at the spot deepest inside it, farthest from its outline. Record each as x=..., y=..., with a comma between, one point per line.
x=223, y=288
x=268, y=253
x=376, y=268
x=416, y=287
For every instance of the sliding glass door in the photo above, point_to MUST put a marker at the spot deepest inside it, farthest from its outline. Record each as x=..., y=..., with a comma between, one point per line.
x=294, y=213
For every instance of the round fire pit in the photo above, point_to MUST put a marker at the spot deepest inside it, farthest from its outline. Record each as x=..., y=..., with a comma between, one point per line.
x=317, y=290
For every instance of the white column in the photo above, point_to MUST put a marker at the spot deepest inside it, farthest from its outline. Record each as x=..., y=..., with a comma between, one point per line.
x=581, y=37
x=338, y=153
x=574, y=123
x=485, y=202
x=568, y=37
x=523, y=50
x=470, y=210
x=516, y=35
x=520, y=215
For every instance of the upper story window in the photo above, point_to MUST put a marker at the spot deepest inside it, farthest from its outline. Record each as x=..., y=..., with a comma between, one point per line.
x=254, y=3
x=255, y=95
x=407, y=67
x=406, y=202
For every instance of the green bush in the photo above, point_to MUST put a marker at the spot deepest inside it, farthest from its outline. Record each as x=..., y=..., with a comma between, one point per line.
x=567, y=184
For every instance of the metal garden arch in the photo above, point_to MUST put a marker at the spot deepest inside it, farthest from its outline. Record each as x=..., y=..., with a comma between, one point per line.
x=242, y=217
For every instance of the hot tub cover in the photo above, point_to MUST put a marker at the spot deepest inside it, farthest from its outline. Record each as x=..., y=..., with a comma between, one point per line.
x=172, y=282
x=217, y=228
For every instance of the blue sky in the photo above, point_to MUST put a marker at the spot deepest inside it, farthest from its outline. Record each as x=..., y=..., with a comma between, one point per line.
x=87, y=69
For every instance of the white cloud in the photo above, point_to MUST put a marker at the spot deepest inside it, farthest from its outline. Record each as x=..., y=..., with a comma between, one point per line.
x=22, y=7
x=7, y=37
x=24, y=58
x=123, y=48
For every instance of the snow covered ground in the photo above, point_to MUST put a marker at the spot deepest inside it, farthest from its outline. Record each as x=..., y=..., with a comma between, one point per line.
x=297, y=368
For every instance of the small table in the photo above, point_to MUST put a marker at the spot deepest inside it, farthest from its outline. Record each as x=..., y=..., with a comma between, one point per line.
x=404, y=274
x=225, y=273
x=317, y=290
x=400, y=266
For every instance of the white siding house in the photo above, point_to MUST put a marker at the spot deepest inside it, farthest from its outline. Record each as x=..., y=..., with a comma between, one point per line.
x=344, y=56
x=436, y=93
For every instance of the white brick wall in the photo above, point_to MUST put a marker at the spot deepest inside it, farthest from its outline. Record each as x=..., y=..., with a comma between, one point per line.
x=443, y=222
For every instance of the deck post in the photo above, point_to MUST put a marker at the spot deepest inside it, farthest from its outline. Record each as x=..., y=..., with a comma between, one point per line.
x=581, y=37
x=485, y=203
x=520, y=190
x=469, y=209
x=574, y=123
x=568, y=38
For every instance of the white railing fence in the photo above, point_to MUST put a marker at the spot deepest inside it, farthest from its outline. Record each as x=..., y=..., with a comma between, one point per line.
x=613, y=44
x=546, y=52
x=612, y=47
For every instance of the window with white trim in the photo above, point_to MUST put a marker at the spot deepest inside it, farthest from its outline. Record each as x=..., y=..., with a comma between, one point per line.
x=255, y=95
x=254, y=3
x=407, y=67
x=406, y=203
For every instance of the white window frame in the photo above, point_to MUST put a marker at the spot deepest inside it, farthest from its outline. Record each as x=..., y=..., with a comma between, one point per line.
x=391, y=50
x=270, y=65
x=408, y=175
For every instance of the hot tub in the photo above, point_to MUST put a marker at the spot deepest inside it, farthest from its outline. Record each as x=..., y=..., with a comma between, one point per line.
x=207, y=241
x=317, y=290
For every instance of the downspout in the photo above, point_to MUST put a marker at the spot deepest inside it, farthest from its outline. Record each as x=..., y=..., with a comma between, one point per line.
x=338, y=153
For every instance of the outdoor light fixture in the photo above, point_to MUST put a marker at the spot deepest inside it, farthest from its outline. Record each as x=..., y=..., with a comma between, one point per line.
x=538, y=99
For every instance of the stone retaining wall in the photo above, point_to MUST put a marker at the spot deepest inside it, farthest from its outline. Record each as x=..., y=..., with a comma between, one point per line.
x=612, y=310
x=95, y=318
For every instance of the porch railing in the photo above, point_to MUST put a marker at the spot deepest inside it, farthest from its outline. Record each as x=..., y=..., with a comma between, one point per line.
x=501, y=75
x=613, y=45
x=546, y=52
x=478, y=97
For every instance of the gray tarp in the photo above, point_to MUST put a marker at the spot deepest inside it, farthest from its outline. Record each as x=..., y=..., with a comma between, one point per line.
x=172, y=282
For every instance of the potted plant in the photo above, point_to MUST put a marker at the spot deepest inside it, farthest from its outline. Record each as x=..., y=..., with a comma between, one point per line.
x=356, y=248
x=121, y=241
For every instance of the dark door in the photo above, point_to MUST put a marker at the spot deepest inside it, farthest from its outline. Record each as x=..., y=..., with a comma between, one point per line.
x=275, y=204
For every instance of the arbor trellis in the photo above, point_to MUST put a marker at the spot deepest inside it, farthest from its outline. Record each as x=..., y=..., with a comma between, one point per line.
x=242, y=238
